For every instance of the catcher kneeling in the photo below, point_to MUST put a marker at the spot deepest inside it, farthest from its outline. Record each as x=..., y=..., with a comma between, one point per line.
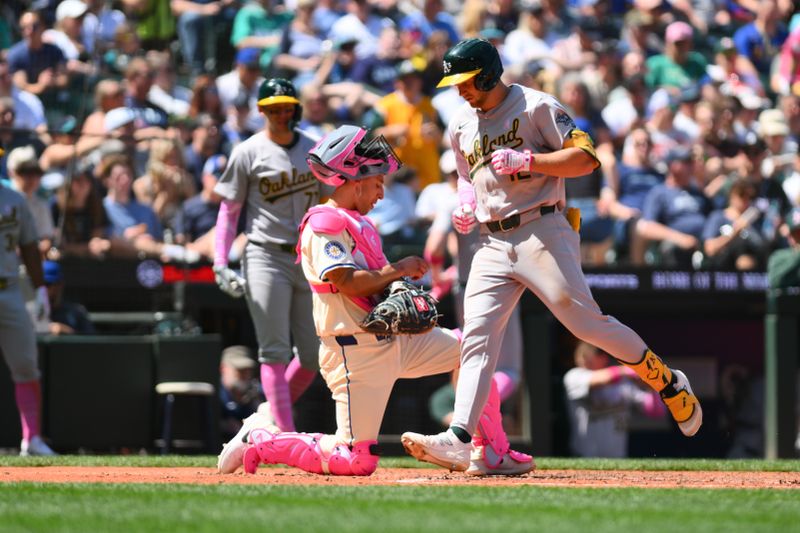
x=366, y=344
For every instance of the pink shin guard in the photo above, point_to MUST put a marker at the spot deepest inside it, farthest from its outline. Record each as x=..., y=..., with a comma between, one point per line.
x=303, y=451
x=490, y=430
x=29, y=398
x=251, y=458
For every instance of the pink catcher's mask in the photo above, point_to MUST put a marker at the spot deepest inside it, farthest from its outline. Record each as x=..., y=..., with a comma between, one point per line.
x=344, y=155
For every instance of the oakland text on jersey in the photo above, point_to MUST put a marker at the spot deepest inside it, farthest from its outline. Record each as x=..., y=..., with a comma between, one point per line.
x=484, y=146
x=273, y=189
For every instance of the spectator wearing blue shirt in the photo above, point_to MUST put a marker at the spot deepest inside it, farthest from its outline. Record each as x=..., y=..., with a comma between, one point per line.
x=36, y=66
x=674, y=213
x=731, y=239
x=626, y=187
x=419, y=25
x=134, y=226
x=760, y=41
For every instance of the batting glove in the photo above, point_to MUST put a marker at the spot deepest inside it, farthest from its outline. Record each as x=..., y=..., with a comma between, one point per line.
x=464, y=220
x=229, y=281
x=508, y=161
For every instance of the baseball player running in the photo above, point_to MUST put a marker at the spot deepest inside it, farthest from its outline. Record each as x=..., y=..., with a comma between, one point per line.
x=268, y=173
x=341, y=255
x=514, y=148
x=17, y=338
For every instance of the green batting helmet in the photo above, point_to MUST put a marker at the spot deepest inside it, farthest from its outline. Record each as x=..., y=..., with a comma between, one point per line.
x=279, y=91
x=472, y=58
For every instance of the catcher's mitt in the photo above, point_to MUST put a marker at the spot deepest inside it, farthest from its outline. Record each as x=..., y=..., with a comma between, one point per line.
x=407, y=310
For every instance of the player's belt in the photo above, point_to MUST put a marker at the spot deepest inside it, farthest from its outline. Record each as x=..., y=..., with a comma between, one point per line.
x=509, y=223
x=351, y=340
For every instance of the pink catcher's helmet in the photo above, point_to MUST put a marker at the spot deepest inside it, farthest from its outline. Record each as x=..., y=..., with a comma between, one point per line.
x=344, y=155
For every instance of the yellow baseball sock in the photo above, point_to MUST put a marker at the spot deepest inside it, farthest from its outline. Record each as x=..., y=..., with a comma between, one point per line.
x=652, y=370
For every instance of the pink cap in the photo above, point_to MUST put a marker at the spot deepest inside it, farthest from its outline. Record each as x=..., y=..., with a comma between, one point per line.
x=678, y=31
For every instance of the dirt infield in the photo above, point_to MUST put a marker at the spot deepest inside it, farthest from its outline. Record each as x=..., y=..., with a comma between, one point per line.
x=406, y=476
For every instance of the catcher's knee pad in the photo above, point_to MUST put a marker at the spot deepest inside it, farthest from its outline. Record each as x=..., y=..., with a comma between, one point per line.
x=300, y=450
x=491, y=435
x=356, y=461
x=652, y=370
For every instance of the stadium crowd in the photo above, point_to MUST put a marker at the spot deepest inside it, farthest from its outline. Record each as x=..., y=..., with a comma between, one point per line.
x=117, y=116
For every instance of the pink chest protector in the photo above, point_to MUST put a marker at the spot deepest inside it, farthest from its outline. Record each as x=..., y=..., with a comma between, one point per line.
x=333, y=220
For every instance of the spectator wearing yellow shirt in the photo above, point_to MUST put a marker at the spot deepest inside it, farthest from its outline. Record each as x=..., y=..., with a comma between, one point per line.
x=408, y=120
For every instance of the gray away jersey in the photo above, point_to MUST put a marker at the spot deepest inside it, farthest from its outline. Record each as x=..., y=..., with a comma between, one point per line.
x=276, y=185
x=16, y=227
x=526, y=120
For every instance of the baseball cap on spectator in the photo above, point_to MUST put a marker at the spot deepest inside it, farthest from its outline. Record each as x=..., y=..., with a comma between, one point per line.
x=408, y=68
x=52, y=272
x=249, y=57
x=66, y=125
x=678, y=31
x=239, y=357
x=447, y=162
x=215, y=165
x=118, y=117
x=750, y=100
x=23, y=160
x=690, y=93
x=678, y=153
x=70, y=9
x=347, y=42
x=660, y=99
x=533, y=6
x=492, y=34
x=772, y=122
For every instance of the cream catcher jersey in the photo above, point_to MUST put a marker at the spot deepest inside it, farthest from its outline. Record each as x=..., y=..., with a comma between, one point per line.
x=526, y=120
x=276, y=183
x=334, y=314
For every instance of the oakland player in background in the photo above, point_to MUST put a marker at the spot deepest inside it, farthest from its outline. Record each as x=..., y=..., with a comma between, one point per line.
x=268, y=174
x=343, y=261
x=514, y=147
x=17, y=338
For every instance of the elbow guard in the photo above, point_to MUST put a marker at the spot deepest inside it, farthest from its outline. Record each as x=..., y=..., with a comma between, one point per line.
x=581, y=139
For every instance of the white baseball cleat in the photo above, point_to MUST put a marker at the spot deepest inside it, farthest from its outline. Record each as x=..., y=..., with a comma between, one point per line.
x=35, y=446
x=513, y=463
x=230, y=458
x=684, y=405
x=444, y=449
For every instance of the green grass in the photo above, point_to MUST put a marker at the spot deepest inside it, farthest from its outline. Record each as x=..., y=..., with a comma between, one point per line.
x=542, y=463
x=118, y=508
x=121, y=508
